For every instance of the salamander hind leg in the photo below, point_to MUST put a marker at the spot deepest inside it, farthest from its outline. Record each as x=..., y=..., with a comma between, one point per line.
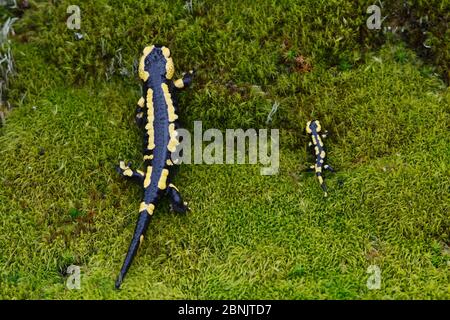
x=309, y=169
x=176, y=201
x=127, y=172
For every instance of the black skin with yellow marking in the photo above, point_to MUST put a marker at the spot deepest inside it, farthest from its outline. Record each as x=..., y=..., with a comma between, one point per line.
x=157, y=114
x=314, y=129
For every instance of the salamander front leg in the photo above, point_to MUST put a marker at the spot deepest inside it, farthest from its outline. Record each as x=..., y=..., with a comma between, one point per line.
x=309, y=169
x=328, y=167
x=140, y=112
x=176, y=201
x=184, y=81
x=127, y=172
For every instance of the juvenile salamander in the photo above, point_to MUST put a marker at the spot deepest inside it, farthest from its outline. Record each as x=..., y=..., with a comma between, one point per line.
x=313, y=128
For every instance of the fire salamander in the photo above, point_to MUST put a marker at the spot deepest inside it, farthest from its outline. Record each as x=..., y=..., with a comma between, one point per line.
x=314, y=128
x=157, y=113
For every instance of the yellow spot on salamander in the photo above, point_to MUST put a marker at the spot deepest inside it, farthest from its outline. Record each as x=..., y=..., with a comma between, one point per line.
x=141, y=102
x=140, y=172
x=173, y=142
x=147, y=50
x=147, y=207
x=313, y=137
x=179, y=83
x=163, y=179
x=148, y=176
x=319, y=127
x=150, y=119
x=318, y=168
x=320, y=180
x=128, y=172
x=141, y=239
x=143, y=74
x=148, y=157
x=317, y=150
x=165, y=52
x=320, y=141
x=170, y=108
x=150, y=103
x=170, y=68
x=169, y=162
x=308, y=129
x=322, y=154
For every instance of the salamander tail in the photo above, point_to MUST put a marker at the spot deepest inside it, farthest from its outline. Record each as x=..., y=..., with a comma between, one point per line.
x=138, y=237
x=324, y=188
x=322, y=182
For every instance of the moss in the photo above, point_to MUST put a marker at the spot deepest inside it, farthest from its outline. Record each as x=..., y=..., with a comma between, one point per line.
x=248, y=236
x=248, y=34
x=423, y=25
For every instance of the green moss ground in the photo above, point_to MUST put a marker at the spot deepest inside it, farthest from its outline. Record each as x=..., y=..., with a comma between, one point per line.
x=248, y=236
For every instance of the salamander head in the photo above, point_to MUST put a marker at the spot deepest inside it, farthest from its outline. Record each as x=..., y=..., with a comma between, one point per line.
x=312, y=126
x=156, y=63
